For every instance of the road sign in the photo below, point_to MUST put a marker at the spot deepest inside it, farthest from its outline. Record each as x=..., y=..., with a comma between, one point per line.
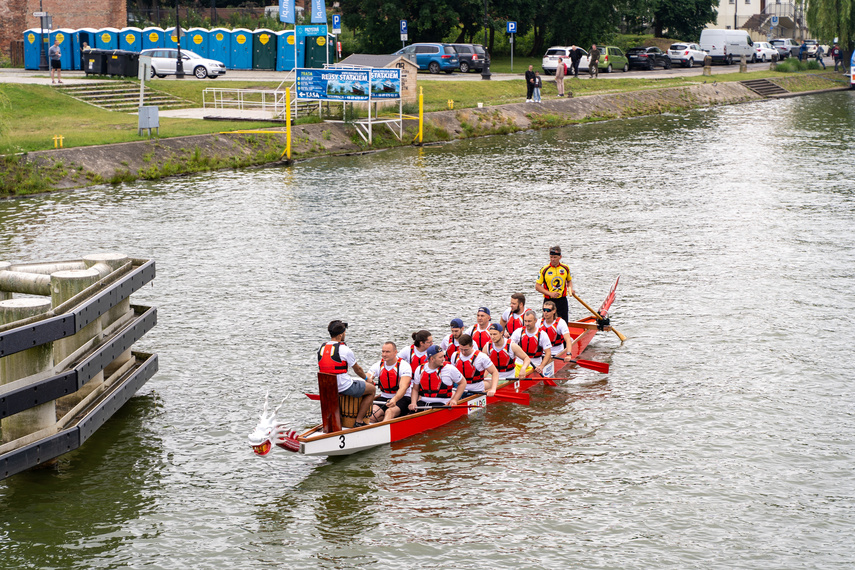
x=512, y=27
x=336, y=24
x=39, y=14
x=774, y=21
x=403, y=26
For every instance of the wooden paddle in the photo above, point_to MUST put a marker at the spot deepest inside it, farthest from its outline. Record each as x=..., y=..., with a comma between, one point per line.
x=599, y=316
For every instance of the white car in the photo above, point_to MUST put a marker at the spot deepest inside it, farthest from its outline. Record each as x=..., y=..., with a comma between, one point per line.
x=550, y=60
x=686, y=55
x=163, y=63
x=763, y=51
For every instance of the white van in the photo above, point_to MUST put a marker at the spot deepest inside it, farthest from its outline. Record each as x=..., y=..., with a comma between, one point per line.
x=727, y=46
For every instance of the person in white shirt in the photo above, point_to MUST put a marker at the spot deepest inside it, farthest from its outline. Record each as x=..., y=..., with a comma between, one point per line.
x=479, y=333
x=393, y=380
x=559, y=335
x=415, y=354
x=475, y=365
x=434, y=382
x=451, y=343
x=534, y=343
x=512, y=317
x=335, y=357
x=503, y=354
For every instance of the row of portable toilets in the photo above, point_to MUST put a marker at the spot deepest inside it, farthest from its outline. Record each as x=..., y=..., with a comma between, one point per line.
x=236, y=49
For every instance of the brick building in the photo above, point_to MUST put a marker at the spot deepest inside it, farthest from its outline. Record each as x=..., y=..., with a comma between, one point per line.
x=17, y=16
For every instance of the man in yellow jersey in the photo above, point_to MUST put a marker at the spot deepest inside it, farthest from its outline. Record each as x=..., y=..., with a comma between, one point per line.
x=555, y=283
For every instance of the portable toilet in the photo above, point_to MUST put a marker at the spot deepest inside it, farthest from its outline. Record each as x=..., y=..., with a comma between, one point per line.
x=219, y=45
x=130, y=39
x=285, y=50
x=169, y=40
x=32, y=48
x=241, y=49
x=263, y=49
x=153, y=38
x=83, y=36
x=197, y=41
x=66, y=46
x=107, y=38
x=317, y=50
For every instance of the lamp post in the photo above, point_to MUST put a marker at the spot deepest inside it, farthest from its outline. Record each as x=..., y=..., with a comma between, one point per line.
x=179, y=65
x=43, y=62
x=485, y=70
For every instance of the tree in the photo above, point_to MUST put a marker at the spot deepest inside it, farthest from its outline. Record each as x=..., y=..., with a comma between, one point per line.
x=683, y=18
x=829, y=19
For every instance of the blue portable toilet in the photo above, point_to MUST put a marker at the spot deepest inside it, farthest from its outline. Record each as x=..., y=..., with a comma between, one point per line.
x=220, y=45
x=197, y=41
x=107, y=38
x=81, y=37
x=66, y=46
x=32, y=47
x=169, y=39
x=285, y=50
x=153, y=38
x=241, y=49
x=130, y=39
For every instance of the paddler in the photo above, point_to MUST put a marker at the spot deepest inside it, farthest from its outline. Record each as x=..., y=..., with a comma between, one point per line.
x=512, y=317
x=555, y=283
x=415, y=354
x=557, y=330
x=479, y=333
x=334, y=357
x=502, y=353
x=393, y=376
x=451, y=343
x=434, y=382
x=474, y=365
x=534, y=343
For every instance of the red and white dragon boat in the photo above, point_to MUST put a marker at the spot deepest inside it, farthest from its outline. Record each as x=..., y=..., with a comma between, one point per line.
x=318, y=441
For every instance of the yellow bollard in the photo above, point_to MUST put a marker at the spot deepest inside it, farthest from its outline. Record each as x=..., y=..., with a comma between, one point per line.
x=451, y=103
x=57, y=141
x=287, y=150
x=420, y=136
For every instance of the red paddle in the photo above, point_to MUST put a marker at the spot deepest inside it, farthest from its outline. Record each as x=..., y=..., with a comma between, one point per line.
x=598, y=366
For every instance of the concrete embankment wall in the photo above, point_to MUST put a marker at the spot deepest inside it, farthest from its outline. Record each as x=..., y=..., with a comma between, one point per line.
x=152, y=159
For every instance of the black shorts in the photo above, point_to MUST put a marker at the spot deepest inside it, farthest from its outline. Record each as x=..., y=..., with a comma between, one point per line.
x=403, y=404
x=55, y=64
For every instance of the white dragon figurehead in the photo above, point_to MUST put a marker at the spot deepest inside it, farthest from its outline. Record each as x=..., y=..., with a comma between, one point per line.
x=269, y=431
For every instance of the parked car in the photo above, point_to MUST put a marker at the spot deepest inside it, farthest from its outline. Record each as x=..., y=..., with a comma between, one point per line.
x=647, y=57
x=612, y=57
x=789, y=45
x=727, y=46
x=550, y=59
x=163, y=63
x=686, y=54
x=783, y=53
x=811, y=47
x=433, y=57
x=471, y=56
x=763, y=51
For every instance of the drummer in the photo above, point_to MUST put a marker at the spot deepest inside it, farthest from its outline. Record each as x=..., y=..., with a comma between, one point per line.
x=434, y=382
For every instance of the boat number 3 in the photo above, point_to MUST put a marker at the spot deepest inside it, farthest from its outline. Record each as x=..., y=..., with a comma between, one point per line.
x=341, y=440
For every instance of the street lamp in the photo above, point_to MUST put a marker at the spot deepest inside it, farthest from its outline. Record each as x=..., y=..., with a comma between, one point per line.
x=179, y=65
x=485, y=70
x=43, y=62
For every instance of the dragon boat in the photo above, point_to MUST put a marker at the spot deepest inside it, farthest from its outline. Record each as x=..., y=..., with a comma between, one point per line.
x=330, y=438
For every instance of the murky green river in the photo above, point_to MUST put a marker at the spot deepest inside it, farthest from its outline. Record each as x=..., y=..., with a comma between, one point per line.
x=724, y=436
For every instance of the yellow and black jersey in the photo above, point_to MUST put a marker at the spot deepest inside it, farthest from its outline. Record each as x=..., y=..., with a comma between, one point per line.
x=555, y=278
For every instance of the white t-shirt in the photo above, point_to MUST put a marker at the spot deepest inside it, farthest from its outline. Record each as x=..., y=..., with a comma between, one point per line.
x=506, y=316
x=474, y=331
x=480, y=361
x=562, y=329
x=445, y=344
x=405, y=353
x=345, y=381
x=542, y=340
x=403, y=371
x=506, y=345
x=449, y=375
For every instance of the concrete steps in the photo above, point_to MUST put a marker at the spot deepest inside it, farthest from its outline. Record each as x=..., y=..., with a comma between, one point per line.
x=764, y=87
x=122, y=96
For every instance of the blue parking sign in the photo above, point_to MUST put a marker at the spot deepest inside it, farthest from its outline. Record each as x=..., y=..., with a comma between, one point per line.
x=512, y=27
x=336, y=23
x=403, y=26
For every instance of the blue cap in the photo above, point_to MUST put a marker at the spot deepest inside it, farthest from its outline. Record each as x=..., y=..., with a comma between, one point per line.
x=433, y=350
x=496, y=327
x=483, y=310
x=457, y=323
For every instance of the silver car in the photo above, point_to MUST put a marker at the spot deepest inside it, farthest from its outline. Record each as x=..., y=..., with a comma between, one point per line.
x=163, y=63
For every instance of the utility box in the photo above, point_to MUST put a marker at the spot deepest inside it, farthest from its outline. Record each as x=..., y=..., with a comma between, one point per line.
x=149, y=120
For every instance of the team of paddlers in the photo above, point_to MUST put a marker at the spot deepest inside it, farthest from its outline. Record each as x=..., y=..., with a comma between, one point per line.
x=467, y=361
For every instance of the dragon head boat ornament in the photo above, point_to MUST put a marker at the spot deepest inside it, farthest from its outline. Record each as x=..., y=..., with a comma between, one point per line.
x=270, y=432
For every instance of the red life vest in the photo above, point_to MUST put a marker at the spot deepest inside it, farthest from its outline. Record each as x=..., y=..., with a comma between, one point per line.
x=552, y=332
x=531, y=344
x=452, y=348
x=330, y=361
x=503, y=359
x=467, y=368
x=432, y=386
x=388, y=379
x=416, y=361
x=514, y=322
x=480, y=338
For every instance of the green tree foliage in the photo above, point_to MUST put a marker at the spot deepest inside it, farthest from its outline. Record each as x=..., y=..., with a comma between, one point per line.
x=683, y=18
x=829, y=19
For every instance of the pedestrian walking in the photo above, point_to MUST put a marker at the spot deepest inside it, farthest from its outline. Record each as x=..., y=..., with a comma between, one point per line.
x=819, y=53
x=529, y=83
x=594, y=62
x=802, y=50
x=837, y=55
x=538, y=85
x=575, y=57
x=560, y=72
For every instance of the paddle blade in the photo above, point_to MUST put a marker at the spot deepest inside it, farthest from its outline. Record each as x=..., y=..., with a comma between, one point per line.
x=313, y=396
x=549, y=381
x=524, y=399
x=590, y=364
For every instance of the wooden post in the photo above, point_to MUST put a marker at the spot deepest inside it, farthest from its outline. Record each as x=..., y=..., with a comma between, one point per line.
x=328, y=390
x=23, y=364
x=708, y=65
x=4, y=265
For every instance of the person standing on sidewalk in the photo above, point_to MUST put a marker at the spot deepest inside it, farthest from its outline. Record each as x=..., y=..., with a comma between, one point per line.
x=529, y=83
x=560, y=72
x=837, y=55
x=594, y=62
x=819, y=53
x=575, y=57
x=55, y=55
x=538, y=85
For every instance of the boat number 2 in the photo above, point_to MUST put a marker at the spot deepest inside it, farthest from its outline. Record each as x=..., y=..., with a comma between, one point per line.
x=341, y=440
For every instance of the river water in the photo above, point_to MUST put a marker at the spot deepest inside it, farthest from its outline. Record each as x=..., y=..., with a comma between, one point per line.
x=724, y=436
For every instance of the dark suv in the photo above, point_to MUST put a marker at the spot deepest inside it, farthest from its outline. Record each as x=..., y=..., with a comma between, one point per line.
x=471, y=56
x=648, y=57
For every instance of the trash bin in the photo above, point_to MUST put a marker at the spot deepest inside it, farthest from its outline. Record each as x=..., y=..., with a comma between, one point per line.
x=132, y=64
x=116, y=61
x=95, y=62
